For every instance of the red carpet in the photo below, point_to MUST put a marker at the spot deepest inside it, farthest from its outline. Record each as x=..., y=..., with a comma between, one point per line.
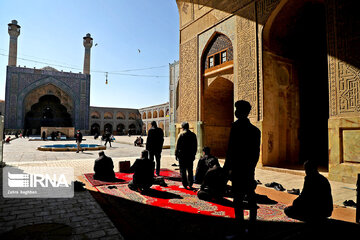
x=127, y=177
x=179, y=199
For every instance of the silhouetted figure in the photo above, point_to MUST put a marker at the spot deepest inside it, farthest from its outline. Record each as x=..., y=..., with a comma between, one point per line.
x=53, y=136
x=43, y=135
x=203, y=165
x=96, y=135
x=241, y=159
x=154, y=144
x=143, y=169
x=78, y=139
x=107, y=137
x=185, y=152
x=104, y=168
x=8, y=139
x=315, y=201
x=214, y=183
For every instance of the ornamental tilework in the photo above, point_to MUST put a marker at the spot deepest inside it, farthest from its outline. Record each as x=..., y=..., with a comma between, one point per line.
x=20, y=82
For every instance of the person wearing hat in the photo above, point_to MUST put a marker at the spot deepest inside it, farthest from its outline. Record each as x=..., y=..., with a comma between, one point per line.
x=185, y=151
x=78, y=137
x=241, y=159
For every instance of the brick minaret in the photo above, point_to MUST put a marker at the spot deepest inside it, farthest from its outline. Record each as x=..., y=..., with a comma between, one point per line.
x=88, y=42
x=14, y=32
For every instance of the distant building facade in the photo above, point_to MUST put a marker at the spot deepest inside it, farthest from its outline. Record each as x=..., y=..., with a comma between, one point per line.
x=119, y=121
x=45, y=97
x=159, y=114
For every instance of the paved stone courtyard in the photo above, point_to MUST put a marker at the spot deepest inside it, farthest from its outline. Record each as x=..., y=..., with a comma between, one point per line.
x=82, y=212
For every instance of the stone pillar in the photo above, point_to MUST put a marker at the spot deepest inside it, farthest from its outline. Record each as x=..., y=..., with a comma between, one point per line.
x=14, y=32
x=88, y=42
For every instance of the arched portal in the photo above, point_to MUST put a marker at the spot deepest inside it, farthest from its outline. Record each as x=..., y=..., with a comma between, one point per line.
x=47, y=112
x=132, y=128
x=217, y=100
x=296, y=105
x=95, y=129
x=120, y=129
x=155, y=115
x=108, y=127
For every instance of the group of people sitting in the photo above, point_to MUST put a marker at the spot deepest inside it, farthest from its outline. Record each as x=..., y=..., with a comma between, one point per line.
x=314, y=202
x=139, y=141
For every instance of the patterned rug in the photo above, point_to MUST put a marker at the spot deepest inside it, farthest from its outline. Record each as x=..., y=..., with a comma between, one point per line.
x=176, y=198
x=127, y=177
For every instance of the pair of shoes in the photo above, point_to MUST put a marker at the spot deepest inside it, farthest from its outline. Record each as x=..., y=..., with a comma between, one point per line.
x=294, y=191
x=276, y=186
x=174, y=165
x=77, y=151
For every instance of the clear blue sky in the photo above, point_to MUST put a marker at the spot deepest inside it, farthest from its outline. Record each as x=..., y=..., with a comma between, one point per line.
x=52, y=32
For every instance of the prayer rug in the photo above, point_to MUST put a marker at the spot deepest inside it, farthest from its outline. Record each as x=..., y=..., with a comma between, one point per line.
x=127, y=177
x=176, y=198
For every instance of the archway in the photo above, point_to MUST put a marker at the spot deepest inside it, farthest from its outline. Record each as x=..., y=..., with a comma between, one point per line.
x=155, y=115
x=120, y=129
x=120, y=115
x=47, y=112
x=296, y=105
x=217, y=102
x=108, y=115
x=95, y=115
x=161, y=113
x=108, y=127
x=144, y=115
x=149, y=115
x=95, y=129
x=132, y=129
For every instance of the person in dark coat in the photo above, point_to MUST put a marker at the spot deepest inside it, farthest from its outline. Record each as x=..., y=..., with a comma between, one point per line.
x=315, y=201
x=43, y=136
x=143, y=169
x=154, y=144
x=104, y=168
x=214, y=184
x=203, y=165
x=78, y=139
x=107, y=137
x=185, y=151
x=241, y=159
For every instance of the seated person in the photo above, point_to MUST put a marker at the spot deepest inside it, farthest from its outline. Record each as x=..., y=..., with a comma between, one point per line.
x=315, y=201
x=8, y=139
x=214, y=183
x=143, y=169
x=203, y=165
x=138, y=142
x=104, y=168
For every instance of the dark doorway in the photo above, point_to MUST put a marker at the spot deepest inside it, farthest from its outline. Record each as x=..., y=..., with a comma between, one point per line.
x=120, y=129
x=296, y=84
x=95, y=129
x=48, y=112
x=108, y=127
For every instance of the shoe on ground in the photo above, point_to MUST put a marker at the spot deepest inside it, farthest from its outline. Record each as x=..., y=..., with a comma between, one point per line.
x=294, y=191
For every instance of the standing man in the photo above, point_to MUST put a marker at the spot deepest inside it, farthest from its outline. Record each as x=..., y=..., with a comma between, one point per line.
x=154, y=144
x=78, y=137
x=241, y=159
x=185, y=152
x=107, y=137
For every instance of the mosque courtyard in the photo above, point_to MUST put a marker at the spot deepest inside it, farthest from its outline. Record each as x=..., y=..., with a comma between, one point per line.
x=87, y=214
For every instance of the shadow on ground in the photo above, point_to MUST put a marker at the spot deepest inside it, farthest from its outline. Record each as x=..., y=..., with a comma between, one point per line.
x=139, y=221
